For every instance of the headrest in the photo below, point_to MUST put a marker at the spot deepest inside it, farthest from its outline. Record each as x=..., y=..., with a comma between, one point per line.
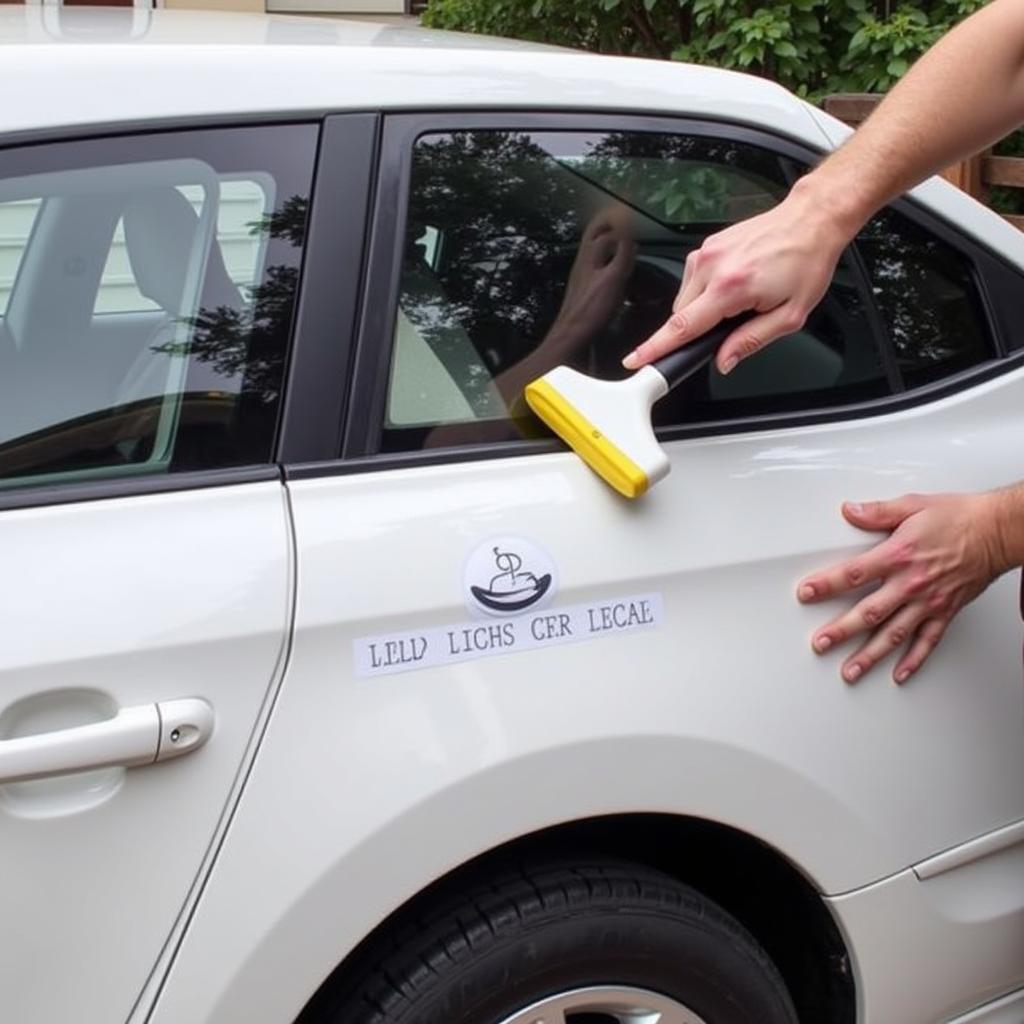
x=159, y=230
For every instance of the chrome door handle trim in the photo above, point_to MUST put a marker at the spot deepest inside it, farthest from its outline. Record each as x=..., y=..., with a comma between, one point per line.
x=134, y=736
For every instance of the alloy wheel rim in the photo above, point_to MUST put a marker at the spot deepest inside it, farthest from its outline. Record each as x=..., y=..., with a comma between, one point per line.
x=603, y=1004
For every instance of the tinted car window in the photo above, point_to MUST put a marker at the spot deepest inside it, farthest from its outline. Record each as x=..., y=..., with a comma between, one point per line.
x=147, y=326
x=926, y=293
x=16, y=220
x=524, y=250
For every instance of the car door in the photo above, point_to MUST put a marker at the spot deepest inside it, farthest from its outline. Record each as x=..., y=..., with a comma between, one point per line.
x=144, y=318
x=899, y=382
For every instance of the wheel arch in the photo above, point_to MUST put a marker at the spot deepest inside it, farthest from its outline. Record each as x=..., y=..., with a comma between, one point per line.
x=769, y=895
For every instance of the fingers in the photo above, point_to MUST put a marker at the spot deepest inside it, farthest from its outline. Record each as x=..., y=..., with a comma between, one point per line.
x=928, y=636
x=756, y=333
x=867, y=614
x=854, y=573
x=890, y=636
x=692, y=285
x=682, y=326
x=882, y=515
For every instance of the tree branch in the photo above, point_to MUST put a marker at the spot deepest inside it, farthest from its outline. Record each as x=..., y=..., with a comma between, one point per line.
x=645, y=30
x=685, y=22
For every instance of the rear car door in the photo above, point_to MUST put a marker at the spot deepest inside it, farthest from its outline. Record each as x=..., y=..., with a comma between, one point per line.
x=146, y=291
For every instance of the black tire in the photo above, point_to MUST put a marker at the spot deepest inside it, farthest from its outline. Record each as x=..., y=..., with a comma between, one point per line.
x=542, y=931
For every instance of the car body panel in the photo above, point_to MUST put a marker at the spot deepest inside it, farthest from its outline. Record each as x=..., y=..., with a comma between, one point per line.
x=684, y=718
x=137, y=600
x=929, y=950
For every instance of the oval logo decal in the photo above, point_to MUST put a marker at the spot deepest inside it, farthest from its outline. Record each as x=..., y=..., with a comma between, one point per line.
x=508, y=576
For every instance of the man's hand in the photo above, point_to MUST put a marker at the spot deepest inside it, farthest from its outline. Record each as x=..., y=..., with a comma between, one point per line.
x=778, y=263
x=944, y=550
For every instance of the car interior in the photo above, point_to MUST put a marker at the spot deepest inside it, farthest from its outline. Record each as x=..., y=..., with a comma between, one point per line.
x=127, y=390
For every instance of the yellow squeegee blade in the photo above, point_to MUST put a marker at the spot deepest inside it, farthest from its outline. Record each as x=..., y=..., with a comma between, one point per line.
x=607, y=460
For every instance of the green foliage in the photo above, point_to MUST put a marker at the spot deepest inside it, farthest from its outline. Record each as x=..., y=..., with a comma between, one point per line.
x=811, y=46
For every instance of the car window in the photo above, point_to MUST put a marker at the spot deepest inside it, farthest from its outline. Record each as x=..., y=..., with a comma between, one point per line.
x=524, y=250
x=146, y=328
x=16, y=220
x=926, y=293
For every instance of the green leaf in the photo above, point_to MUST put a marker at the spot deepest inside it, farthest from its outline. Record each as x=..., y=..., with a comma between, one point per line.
x=785, y=49
x=897, y=68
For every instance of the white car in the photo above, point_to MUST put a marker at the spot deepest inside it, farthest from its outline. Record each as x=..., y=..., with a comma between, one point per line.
x=333, y=690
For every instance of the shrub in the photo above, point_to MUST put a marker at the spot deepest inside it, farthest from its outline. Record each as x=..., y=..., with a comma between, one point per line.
x=813, y=47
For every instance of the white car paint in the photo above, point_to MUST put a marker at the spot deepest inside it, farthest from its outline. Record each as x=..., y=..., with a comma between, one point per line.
x=122, y=603
x=366, y=790
x=746, y=727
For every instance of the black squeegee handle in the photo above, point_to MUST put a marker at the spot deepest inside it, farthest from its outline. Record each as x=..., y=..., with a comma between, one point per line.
x=685, y=361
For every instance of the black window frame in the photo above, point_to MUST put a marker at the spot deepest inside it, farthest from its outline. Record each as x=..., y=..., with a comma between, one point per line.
x=996, y=281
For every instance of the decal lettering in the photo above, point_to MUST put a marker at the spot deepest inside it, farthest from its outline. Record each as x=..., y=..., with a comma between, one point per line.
x=620, y=615
x=466, y=641
x=403, y=651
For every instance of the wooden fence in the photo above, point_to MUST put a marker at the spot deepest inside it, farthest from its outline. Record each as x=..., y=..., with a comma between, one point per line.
x=975, y=176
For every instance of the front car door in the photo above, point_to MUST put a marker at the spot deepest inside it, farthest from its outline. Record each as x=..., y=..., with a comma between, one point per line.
x=145, y=306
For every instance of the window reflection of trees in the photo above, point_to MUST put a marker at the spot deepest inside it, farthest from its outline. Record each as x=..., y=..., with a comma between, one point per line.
x=249, y=342
x=926, y=297
x=509, y=219
x=511, y=213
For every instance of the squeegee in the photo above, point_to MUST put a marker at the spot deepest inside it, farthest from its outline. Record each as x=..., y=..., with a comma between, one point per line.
x=608, y=423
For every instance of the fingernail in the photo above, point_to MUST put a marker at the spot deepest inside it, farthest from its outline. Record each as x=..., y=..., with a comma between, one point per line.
x=822, y=643
x=855, y=507
x=729, y=365
x=632, y=361
x=901, y=677
x=852, y=674
x=806, y=592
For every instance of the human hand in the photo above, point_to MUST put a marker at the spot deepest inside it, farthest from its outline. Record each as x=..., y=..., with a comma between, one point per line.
x=944, y=550
x=603, y=263
x=779, y=264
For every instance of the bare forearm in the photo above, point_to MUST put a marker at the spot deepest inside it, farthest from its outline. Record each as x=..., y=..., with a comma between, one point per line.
x=964, y=94
x=1007, y=521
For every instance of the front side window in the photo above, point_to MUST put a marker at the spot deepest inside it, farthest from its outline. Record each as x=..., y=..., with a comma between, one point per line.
x=526, y=249
x=145, y=326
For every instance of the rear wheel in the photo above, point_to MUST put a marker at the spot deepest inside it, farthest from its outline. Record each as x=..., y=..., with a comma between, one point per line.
x=604, y=943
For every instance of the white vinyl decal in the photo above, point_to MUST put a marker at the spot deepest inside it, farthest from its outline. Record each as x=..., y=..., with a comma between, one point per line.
x=464, y=641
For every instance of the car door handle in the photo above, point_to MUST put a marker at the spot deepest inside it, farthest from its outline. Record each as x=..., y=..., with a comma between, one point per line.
x=134, y=736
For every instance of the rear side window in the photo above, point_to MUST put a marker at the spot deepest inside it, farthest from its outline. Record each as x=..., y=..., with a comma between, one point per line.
x=146, y=327
x=927, y=297
x=526, y=249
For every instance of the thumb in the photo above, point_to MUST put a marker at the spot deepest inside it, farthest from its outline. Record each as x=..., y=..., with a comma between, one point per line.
x=881, y=515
